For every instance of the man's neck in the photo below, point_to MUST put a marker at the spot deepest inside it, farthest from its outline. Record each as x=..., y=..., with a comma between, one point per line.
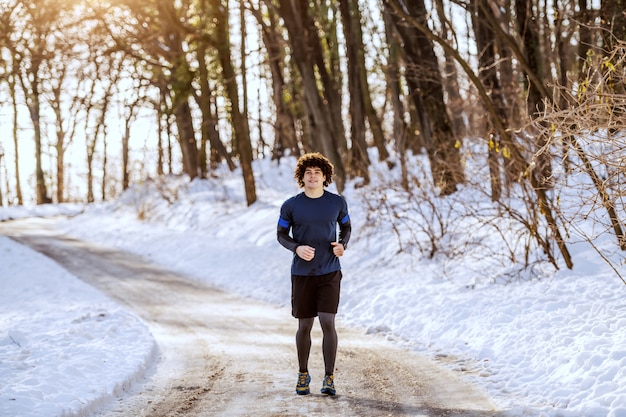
x=314, y=193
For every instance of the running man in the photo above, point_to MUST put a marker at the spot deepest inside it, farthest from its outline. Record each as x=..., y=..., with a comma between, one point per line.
x=307, y=226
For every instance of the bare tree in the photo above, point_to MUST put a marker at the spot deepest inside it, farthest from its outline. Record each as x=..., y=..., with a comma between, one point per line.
x=527, y=23
x=450, y=75
x=587, y=124
x=424, y=79
x=371, y=113
x=323, y=105
x=66, y=105
x=240, y=121
x=359, y=161
x=30, y=47
x=285, y=135
x=400, y=128
x=9, y=63
x=105, y=73
x=489, y=76
x=205, y=99
x=157, y=38
x=18, y=182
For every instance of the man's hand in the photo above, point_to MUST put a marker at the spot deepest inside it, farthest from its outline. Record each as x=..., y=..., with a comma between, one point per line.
x=337, y=248
x=305, y=252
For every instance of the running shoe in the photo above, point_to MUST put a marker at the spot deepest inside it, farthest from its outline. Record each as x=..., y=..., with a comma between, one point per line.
x=328, y=387
x=302, y=388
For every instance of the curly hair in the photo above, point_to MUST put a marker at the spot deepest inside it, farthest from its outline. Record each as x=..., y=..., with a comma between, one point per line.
x=317, y=160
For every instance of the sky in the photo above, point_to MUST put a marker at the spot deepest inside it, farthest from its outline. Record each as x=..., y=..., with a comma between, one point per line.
x=538, y=341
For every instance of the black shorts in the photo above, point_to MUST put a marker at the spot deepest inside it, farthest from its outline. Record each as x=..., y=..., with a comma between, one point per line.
x=315, y=294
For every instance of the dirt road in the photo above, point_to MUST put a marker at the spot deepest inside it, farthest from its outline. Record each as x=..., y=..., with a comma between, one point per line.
x=222, y=355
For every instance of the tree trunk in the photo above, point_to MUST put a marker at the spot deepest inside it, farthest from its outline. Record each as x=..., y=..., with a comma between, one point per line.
x=359, y=160
x=125, y=152
x=613, y=21
x=181, y=90
x=400, y=127
x=34, y=108
x=451, y=83
x=208, y=129
x=186, y=137
x=327, y=64
x=424, y=79
x=100, y=129
x=373, y=120
x=18, y=186
x=105, y=176
x=32, y=95
x=61, y=134
x=306, y=51
x=91, y=139
x=285, y=137
x=528, y=30
x=165, y=126
x=584, y=36
x=29, y=64
x=488, y=73
x=160, y=134
x=60, y=172
x=240, y=121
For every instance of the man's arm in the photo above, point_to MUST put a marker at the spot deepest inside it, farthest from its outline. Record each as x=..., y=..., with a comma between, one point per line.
x=282, y=234
x=345, y=229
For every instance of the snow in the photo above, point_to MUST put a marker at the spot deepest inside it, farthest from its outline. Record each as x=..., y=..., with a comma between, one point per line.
x=64, y=346
x=540, y=342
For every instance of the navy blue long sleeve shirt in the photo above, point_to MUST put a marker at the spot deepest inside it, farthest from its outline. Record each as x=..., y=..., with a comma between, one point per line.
x=313, y=222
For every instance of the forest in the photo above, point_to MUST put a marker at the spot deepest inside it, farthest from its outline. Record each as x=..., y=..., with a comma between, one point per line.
x=531, y=92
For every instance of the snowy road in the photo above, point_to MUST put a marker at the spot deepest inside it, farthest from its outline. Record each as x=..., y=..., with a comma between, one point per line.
x=222, y=355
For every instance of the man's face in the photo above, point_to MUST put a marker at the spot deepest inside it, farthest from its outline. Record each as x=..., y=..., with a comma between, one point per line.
x=313, y=178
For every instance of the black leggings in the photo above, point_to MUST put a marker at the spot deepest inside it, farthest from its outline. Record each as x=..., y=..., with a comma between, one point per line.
x=329, y=342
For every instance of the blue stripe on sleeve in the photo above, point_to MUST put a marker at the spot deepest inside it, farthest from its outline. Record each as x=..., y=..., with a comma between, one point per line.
x=283, y=223
x=345, y=219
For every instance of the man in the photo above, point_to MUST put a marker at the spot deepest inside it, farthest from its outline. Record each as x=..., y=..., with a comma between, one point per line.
x=312, y=217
